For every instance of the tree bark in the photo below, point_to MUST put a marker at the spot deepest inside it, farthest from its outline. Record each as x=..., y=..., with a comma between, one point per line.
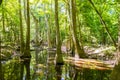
x=59, y=59
x=22, y=45
x=80, y=52
x=25, y=17
x=27, y=52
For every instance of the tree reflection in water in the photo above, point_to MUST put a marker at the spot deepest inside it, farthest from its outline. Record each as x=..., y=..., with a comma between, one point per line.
x=1, y=72
x=25, y=63
x=58, y=69
x=43, y=68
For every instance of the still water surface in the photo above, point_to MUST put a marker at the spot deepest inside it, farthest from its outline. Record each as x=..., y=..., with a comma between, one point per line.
x=41, y=67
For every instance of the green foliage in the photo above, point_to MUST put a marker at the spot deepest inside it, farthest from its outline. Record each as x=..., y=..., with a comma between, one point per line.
x=87, y=18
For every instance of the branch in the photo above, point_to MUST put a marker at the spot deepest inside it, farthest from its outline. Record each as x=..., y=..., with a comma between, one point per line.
x=103, y=23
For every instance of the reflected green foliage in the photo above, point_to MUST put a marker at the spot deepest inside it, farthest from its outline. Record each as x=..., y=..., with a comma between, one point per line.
x=45, y=70
x=11, y=71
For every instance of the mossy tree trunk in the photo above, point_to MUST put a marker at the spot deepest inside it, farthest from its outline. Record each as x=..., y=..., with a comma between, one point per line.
x=22, y=44
x=79, y=51
x=59, y=59
x=27, y=52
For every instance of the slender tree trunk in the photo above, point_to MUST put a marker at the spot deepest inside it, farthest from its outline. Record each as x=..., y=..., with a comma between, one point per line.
x=27, y=53
x=52, y=29
x=80, y=52
x=22, y=45
x=36, y=32
x=59, y=59
x=48, y=27
x=71, y=47
x=36, y=29
x=80, y=32
x=25, y=11
x=48, y=32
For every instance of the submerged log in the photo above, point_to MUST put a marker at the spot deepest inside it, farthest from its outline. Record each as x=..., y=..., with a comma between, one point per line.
x=88, y=63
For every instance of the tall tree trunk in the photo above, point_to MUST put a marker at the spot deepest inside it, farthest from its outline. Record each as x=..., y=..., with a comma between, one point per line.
x=59, y=59
x=52, y=29
x=27, y=52
x=80, y=32
x=79, y=52
x=25, y=17
x=71, y=46
x=36, y=29
x=37, y=32
x=48, y=27
x=48, y=32
x=22, y=45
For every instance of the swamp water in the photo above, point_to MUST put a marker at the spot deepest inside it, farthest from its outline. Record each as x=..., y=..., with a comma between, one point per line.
x=42, y=67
